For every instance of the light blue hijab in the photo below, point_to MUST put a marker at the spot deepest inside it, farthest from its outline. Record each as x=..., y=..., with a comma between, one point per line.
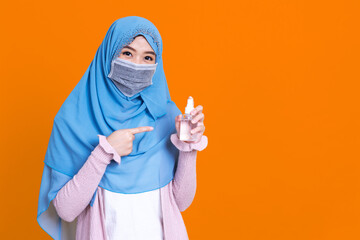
x=97, y=106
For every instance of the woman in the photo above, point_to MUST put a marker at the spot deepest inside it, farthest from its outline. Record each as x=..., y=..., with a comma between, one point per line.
x=139, y=195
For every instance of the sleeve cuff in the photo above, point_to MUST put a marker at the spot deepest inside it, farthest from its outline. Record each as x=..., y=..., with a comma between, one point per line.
x=188, y=147
x=108, y=148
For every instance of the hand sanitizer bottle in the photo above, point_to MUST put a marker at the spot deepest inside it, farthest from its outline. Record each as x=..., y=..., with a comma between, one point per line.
x=185, y=123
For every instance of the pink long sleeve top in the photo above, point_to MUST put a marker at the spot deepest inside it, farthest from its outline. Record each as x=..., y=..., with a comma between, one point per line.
x=72, y=202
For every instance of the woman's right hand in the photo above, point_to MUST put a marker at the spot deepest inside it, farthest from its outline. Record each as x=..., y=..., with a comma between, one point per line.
x=122, y=140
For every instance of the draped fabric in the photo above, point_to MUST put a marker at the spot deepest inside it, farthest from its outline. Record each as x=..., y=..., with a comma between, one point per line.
x=96, y=106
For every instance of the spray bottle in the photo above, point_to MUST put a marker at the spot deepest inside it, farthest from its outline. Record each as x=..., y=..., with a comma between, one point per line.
x=185, y=123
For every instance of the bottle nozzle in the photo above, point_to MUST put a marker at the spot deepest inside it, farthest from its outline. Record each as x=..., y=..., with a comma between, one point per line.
x=190, y=105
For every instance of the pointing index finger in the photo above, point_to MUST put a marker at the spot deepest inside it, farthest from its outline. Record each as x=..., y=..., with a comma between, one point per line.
x=141, y=129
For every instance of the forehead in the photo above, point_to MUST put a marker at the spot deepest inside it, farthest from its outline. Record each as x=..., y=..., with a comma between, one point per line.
x=142, y=38
x=140, y=42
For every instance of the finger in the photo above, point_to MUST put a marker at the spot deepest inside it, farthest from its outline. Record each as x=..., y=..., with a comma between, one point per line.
x=140, y=129
x=198, y=129
x=198, y=138
x=196, y=110
x=200, y=117
x=178, y=118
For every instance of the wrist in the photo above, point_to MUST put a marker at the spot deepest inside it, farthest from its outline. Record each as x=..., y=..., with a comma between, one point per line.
x=108, y=148
x=101, y=155
x=189, y=146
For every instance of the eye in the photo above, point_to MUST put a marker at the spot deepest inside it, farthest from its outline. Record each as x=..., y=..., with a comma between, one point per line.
x=149, y=58
x=126, y=53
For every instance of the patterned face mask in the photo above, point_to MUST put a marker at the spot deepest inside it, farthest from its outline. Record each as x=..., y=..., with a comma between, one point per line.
x=131, y=78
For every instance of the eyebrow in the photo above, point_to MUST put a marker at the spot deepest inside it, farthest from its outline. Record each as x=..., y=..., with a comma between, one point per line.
x=150, y=52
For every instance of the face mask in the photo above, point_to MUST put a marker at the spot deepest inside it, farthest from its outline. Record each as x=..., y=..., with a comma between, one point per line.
x=131, y=78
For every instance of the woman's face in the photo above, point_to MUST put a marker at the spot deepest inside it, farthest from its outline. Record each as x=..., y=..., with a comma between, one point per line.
x=138, y=51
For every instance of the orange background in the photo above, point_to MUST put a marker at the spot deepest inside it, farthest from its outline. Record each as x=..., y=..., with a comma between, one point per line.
x=279, y=82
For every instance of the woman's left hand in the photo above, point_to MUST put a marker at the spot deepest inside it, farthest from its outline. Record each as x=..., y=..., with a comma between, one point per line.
x=197, y=119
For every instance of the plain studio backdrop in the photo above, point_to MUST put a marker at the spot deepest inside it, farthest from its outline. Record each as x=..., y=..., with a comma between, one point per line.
x=279, y=82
